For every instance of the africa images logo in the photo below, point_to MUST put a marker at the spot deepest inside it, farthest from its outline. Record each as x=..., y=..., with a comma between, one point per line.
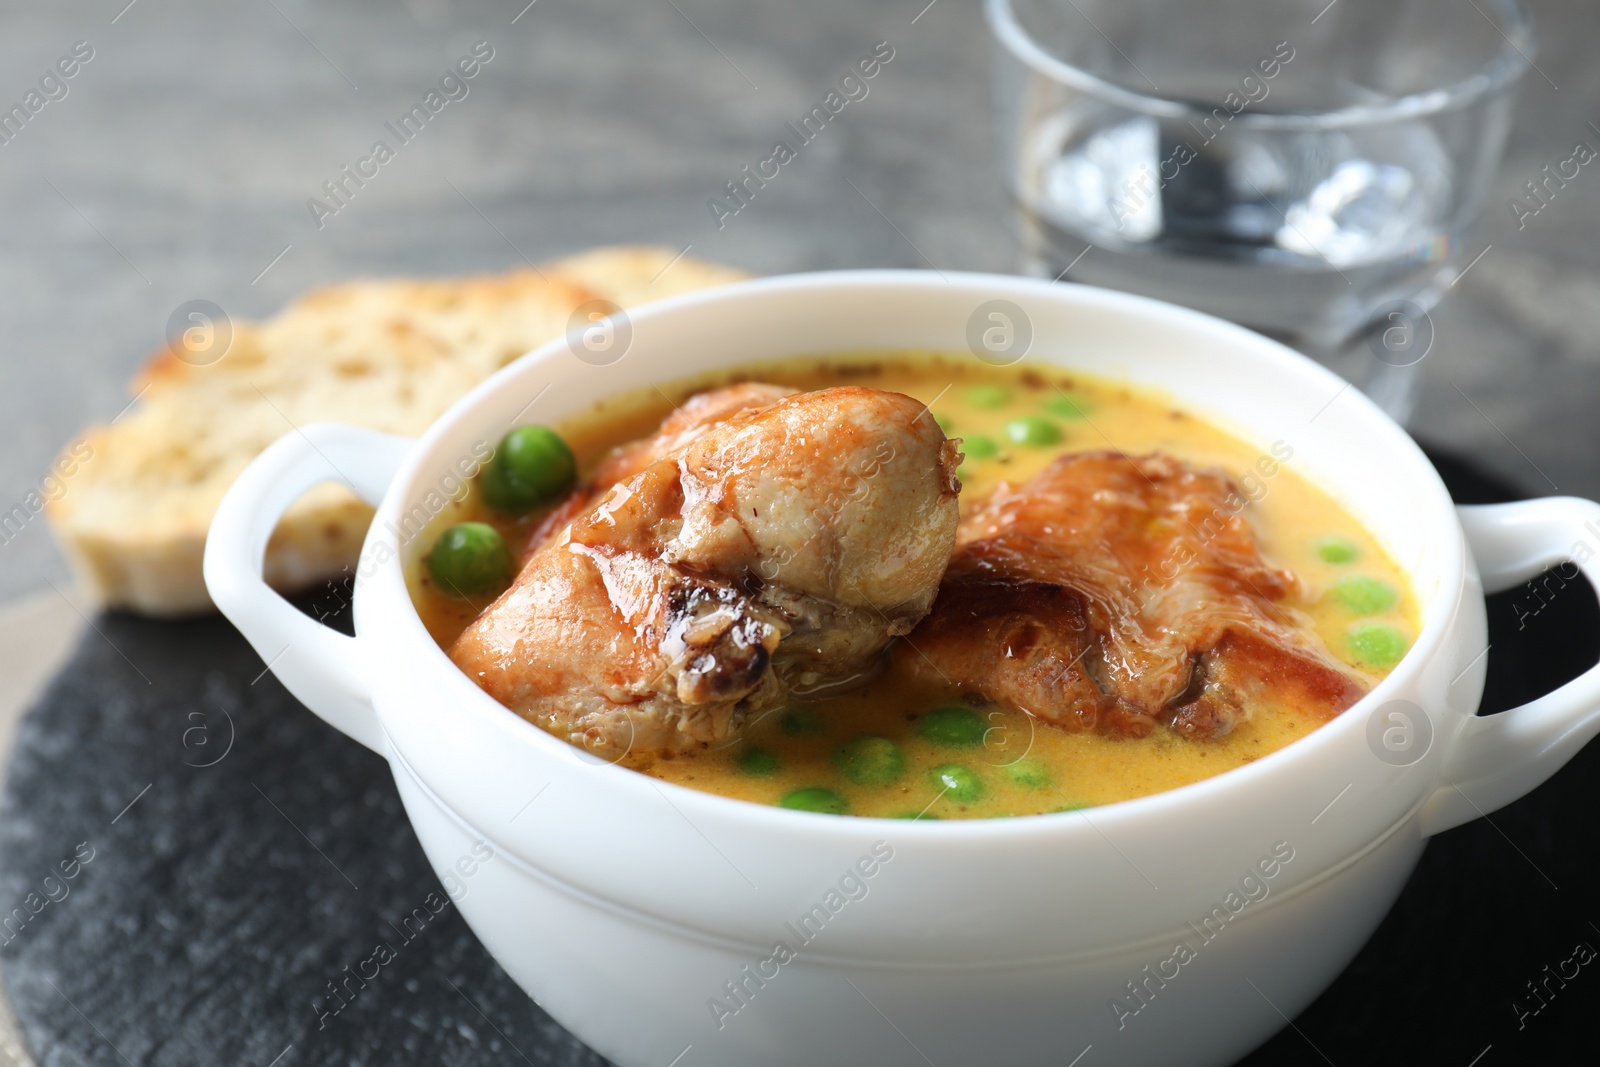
x=851, y=87
x=343, y=186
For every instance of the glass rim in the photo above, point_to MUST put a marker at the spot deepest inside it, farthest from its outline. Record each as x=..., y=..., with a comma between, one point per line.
x=1509, y=64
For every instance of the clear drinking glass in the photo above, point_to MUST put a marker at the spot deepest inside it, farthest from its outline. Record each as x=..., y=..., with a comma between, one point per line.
x=1301, y=167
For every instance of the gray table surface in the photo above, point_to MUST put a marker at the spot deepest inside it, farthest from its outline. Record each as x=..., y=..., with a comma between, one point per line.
x=179, y=164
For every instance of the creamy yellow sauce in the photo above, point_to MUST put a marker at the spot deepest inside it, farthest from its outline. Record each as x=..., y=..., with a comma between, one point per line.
x=1020, y=765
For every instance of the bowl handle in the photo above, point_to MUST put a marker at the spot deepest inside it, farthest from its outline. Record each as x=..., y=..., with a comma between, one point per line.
x=1498, y=758
x=320, y=666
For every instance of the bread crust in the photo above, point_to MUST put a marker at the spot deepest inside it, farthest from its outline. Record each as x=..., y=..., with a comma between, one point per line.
x=389, y=354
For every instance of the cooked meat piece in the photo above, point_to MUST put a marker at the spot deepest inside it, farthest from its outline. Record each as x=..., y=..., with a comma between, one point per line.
x=698, y=414
x=1119, y=594
x=688, y=421
x=783, y=547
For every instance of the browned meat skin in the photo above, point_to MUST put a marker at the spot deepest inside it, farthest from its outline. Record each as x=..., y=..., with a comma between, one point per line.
x=782, y=546
x=687, y=422
x=1119, y=594
x=697, y=414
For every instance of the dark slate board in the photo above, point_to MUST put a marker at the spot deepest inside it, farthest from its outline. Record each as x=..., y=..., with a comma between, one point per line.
x=218, y=905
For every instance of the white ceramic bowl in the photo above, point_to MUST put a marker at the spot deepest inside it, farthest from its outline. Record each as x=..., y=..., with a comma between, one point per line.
x=645, y=917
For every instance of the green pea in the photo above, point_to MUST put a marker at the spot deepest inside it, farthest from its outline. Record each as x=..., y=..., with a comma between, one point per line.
x=988, y=396
x=1033, y=430
x=801, y=721
x=870, y=761
x=470, y=559
x=1376, y=644
x=1336, y=549
x=958, y=782
x=815, y=798
x=758, y=763
x=1068, y=407
x=1364, y=595
x=532, y=466
x=978, y=446
x=945, y=423
x=1028, y=773
x=954, y=726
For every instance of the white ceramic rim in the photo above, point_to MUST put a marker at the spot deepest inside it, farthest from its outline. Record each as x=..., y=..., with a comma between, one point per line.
x=386, y=584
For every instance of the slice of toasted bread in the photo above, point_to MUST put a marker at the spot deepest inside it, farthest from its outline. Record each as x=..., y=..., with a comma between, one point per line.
x=629, y=277
x=388, y=354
